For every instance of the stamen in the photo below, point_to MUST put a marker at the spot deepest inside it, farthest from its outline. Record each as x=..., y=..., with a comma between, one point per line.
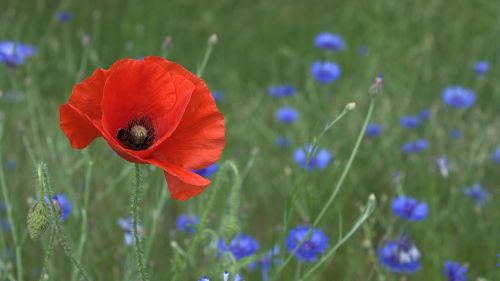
x=139, y=134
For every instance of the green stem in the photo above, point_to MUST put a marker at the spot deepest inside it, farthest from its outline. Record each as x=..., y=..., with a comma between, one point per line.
x=139, y=253
x=10, y=217
x=43, y=178
x=339, y=183
x=329, y=125
x=48, y=253
x=84, y=225
x=348, y=165
x=154, y=224
x=181, y=262
x=208, y=52
x=364, y=216
x=230, y=223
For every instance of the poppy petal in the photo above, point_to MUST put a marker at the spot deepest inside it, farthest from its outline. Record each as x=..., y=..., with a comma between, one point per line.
x=79, y=130
x=200, y=137
x=87, y=95
x=136, y=89
x=181, y=190
x=182, y=183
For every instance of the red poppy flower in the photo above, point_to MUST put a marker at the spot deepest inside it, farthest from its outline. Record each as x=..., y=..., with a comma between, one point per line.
x=150, y=111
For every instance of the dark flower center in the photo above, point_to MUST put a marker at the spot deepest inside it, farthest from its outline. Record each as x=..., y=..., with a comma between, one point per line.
x=138, y=135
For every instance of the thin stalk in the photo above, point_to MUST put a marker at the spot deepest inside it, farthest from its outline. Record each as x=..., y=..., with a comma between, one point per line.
x=154, y=224
x=329, y=125
x=211, y=42
x=48, y=253
x=348, y=165
x=84, y=225
x=339, y=183
x=370, y=206
x=180, y=264
x=139, y=252
x=10, y=217
x=43, y=178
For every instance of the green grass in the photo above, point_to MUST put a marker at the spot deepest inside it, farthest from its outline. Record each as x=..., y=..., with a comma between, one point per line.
x=420, y=47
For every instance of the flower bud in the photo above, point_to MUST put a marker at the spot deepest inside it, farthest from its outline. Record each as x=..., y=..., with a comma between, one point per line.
x=350, y=106
x=38, y=220
x=213, y=39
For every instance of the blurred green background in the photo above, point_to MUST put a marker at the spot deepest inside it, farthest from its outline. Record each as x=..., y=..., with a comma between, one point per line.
x=420, y=47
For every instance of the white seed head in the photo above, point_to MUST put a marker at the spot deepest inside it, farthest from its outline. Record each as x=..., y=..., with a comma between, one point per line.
x=350, y=106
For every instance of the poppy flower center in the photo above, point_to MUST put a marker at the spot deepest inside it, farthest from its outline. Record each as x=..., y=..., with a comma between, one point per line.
x=138, y=135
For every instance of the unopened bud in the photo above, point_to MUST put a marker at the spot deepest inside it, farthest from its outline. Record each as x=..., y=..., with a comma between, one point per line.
x=86, y=39
x=213, y=39
x=376, y=85
x=38, y=219
x=167, y=43
x=350, y=106
x=371, y=197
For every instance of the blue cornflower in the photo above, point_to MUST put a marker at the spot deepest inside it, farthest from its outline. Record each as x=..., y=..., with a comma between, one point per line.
x=63, y=16
x=329, y=41
x=311, y=244
x=400, y=256
x=64, y=204
x=281, y=91
x=325, y=72
x=409, y=122
x=13, y=53
x=458, y=97
x=317, y=160
x=225, y=277
x=4, y=224
x=282, y=142
x=421, y=145
x=478, y=193
x=443, y=165
x=242, y=245
x=407, y=147
x=482, y=67
x=374, y=130
x=496, y=155
x=208, y=171
x=287, y=115
x=415, y=146
x=268, y=260
x=455, y=133
x=10, y=164
x=424, y=114
x=187, y=223
x=396, y=177
x=362, y=50
x=127, y=226
x=409, y=208
x=217, y=95
x=454, y=271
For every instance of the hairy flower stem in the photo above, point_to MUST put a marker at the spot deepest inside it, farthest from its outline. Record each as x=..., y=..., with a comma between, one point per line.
x=43, y=178
x=139, y=253
x=48, y=253
x=10, y=217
